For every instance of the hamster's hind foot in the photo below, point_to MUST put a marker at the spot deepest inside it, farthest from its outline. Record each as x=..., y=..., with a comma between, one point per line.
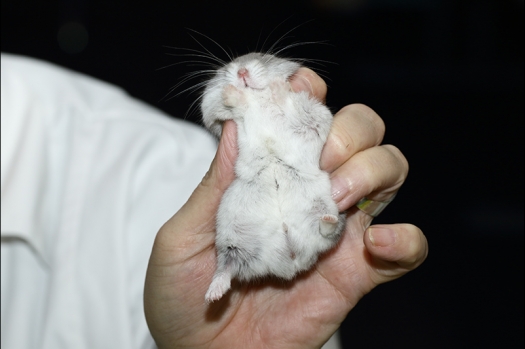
x=219, y=286
x=328, y=224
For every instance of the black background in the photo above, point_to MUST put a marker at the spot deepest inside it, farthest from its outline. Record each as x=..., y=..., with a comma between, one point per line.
x=447, y=78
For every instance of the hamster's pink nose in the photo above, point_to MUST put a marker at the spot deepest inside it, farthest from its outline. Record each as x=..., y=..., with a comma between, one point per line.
x=242, y=73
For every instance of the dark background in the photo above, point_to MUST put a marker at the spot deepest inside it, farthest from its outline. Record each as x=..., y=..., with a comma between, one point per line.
x=447, y=78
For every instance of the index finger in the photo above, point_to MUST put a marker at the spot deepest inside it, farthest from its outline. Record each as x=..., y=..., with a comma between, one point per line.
x=356, y=127
x=306, y=79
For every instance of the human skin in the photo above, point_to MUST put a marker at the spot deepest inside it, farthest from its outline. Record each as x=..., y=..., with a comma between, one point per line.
x=305, y=312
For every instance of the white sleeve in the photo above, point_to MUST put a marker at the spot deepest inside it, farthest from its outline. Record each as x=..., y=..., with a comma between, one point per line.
x=89, y=175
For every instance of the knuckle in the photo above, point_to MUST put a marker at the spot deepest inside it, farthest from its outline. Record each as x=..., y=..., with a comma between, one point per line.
x=364, y=165
x=369, y=121
x=365, y=173
x=369, y=114
x=341, y=143
x=359, y=108
x=399, y=159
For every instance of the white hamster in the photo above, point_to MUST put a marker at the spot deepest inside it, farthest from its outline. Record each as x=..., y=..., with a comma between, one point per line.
x=278, y=214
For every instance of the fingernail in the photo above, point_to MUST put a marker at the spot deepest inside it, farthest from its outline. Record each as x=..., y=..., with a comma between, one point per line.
x=380, y=236
x=302, y=84
x=339, y=189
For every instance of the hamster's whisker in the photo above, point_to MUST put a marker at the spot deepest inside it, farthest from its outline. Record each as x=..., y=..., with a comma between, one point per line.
x=188, y=77
x=215, y=42
x=192, y=63
x=318, y=70
x=184, y=79
x=300, y=43
x=193, y=107
x=192, y=88
x=203, y=54
x=284, y=36
x=274, y=29
x=197, y=73
x=200, y=55
x=224, y=63
x=258, y=39
x=314, y=61
x=268, y=59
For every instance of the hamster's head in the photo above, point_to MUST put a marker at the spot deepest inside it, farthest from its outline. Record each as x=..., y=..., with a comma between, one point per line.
x=251, y=71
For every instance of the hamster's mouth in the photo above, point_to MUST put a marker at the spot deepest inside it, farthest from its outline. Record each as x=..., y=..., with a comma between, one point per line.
x=255, y=88
x=252, y=86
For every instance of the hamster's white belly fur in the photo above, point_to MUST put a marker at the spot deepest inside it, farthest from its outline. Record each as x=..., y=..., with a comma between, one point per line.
x=274, y=230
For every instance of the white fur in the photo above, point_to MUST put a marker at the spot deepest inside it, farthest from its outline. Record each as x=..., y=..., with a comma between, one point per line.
x=278, y=215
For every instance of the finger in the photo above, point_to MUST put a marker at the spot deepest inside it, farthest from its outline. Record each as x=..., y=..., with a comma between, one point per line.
x=307, y=80
x=201, y=207
x=394, y=250
x=221, y=172
x=355, y=127
x=376, y=173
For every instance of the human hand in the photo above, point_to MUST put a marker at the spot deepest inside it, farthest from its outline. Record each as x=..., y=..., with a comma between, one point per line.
x=305, y=312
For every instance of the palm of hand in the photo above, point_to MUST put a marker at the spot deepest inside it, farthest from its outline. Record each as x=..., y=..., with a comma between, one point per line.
x=269, y=314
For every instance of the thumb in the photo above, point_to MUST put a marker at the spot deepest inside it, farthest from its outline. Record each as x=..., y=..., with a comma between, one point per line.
x=199, y=211
x=221, y=172
x=172, y=273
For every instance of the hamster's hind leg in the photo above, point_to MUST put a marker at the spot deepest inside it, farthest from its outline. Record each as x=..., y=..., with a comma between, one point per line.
x=219, y=286
x=330, y=222
x=331, y=225
x=231, y=262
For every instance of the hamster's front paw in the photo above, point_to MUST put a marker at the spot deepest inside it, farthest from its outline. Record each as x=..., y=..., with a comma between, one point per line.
x=232, y=96
x=280, y=90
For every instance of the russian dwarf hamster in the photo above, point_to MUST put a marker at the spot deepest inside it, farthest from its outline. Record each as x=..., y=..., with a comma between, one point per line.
x=278, y=214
